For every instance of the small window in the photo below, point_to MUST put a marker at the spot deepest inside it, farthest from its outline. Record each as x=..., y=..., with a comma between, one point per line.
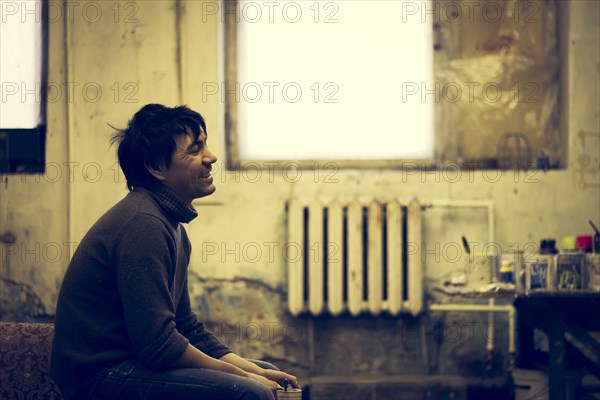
x=23, y=55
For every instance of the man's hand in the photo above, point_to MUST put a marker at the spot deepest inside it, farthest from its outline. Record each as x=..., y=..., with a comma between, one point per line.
x=265, y=381
x=280, y=377
x=267, y=377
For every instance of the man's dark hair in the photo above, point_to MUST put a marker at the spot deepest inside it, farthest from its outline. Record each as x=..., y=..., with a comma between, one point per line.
x=149, y=140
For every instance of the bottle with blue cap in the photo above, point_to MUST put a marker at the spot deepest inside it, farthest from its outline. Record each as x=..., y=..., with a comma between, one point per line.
x=539, y=270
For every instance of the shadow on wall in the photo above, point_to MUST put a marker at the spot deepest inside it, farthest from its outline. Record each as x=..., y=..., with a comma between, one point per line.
x=20, y=303
x=252, y=318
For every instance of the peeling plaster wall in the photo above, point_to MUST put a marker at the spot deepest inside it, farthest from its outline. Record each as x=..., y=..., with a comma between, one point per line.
x=34, y=212
x=238, y=270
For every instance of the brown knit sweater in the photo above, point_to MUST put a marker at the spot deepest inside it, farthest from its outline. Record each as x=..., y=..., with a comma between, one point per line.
x=125, y=292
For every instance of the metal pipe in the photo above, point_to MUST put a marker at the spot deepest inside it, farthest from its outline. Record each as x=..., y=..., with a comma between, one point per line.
x=459, y=203
x=490, y=333
x=470, y=204
x=509, y=309
x=491, y=225
x=311, y=345
x=491, y=307
x=512, y=312
x=471, y=307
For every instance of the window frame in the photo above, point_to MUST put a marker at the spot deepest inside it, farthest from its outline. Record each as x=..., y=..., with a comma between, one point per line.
x=232, y=154
x=23, y=150
x=442, y=143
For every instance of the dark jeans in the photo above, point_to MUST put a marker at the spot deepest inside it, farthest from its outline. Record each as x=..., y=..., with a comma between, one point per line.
x=130, y=380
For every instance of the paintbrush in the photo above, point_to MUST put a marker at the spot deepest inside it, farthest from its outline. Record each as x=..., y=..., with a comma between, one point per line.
x=596, y=238
x=466, y=245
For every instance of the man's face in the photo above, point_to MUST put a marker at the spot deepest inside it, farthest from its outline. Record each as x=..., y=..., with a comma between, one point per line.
x=189, y=172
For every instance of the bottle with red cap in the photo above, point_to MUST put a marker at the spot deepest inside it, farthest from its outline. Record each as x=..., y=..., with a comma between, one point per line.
x=584, y=243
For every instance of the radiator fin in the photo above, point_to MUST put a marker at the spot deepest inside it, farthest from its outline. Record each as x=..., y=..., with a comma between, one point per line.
x=315, y=257
x=335, y=265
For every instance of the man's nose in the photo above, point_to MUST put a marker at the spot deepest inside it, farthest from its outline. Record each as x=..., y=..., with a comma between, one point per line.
x=209, y=157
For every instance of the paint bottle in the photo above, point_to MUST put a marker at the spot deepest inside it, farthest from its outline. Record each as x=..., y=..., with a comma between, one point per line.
x=519, y=270
x=507, y=268
x=570, y=266
x=539, y=270
x=592, y=271
x=584, y=243
x=585, y=246
x=289, y=394
x=592, y=262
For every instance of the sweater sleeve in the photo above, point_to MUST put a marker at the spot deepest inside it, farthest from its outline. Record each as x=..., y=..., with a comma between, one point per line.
x=195, y=331
x=145, y=255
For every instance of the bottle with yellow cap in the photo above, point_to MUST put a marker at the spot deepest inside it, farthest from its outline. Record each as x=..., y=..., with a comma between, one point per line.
x=570, y=266
x=506, y=270
x=510, y=268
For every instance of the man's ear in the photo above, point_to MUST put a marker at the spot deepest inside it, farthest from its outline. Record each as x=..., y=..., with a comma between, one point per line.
x=156, y=172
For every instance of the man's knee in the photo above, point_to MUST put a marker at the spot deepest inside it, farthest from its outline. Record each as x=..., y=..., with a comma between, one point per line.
x=258, y=391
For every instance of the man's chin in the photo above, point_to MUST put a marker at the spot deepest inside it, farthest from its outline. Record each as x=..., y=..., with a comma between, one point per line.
x=207, y=191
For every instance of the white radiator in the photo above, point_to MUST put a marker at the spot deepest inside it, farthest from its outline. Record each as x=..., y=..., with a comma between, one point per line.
x=356, y=256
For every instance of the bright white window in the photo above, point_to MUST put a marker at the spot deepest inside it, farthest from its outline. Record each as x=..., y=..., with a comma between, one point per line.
x=328, y=80
x=20, y=64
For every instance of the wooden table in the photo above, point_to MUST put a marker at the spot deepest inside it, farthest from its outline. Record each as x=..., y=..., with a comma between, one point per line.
x=566, y=318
